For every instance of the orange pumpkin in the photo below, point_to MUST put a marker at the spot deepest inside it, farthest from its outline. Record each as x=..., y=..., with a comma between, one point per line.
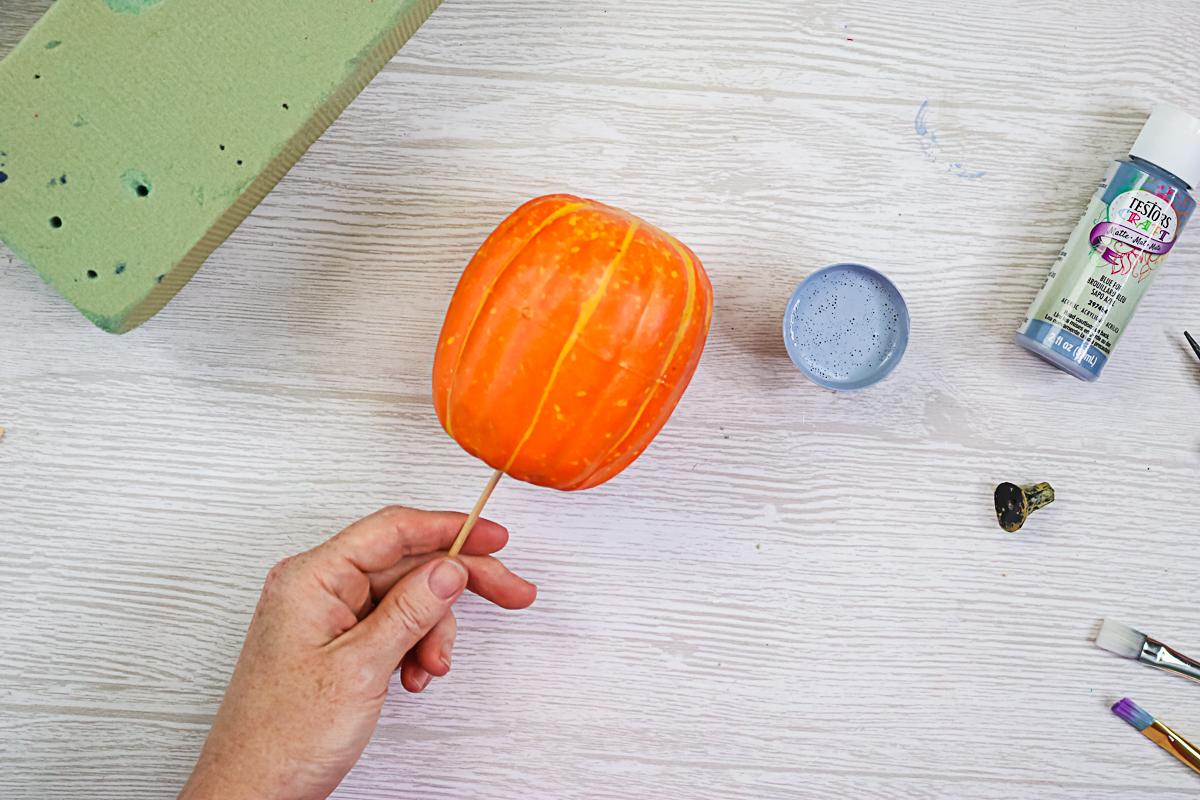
x=570, y=339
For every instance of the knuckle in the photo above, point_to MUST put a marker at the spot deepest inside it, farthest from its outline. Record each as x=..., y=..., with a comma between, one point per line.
x=277, y=572
x=406, y=619
x=280, y=567
x=362, y=680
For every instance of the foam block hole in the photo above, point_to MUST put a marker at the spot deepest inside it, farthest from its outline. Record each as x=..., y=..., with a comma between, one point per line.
x=137, y=183
x=91, y=273
x=56, y=222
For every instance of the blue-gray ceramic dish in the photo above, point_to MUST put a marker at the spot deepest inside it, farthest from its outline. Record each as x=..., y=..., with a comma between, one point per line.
x=846, y=327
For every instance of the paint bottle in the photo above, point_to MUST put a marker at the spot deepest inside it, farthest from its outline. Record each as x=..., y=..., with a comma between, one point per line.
x=1112, y=256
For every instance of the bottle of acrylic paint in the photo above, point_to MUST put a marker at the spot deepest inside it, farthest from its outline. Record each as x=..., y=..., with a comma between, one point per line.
x=1133, y=221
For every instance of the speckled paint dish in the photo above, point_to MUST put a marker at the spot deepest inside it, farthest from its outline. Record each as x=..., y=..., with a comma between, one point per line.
x=846, y=327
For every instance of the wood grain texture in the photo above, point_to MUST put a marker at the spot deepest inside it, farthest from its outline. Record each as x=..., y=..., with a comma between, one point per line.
x=793, y=593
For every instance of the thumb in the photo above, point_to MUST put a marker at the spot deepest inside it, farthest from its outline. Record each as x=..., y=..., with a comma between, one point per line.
x=407, y=612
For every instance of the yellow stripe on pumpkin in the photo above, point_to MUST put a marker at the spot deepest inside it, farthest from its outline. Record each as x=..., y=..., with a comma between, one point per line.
x=586, y=309
x=555, y=215
x=692, y=279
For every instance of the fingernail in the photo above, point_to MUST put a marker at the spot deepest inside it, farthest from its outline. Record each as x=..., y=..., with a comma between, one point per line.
x=446, y=648
x=420, y=678
x=447, y=579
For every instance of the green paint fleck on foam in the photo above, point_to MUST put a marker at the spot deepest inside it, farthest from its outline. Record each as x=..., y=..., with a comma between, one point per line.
x=52, y=45
x=130, y=6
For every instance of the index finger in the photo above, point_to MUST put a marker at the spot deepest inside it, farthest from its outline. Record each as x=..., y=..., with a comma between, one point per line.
x=377, y=542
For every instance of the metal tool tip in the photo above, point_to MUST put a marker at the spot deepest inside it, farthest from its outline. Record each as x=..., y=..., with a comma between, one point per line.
x=1192, y=342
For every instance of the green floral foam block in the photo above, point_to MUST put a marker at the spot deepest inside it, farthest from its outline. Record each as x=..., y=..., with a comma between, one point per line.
x=135, y=135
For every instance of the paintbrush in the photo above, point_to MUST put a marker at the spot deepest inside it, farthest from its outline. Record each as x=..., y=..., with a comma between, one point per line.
x=1158, y=733
x=1192, y=342
x=1117, y=637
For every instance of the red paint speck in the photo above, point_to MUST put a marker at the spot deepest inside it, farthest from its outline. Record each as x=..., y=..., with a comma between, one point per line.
x=849, y=40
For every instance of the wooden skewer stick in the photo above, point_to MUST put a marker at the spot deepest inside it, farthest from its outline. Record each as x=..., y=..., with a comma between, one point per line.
x=475, y=512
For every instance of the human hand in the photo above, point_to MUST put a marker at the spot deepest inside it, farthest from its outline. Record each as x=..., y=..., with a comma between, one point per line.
x=331, y=627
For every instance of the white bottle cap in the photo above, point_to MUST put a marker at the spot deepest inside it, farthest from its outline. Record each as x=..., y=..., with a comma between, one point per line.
x=1171, y=139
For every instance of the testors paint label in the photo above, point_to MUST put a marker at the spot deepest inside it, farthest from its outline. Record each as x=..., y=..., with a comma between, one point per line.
x=1130, y=226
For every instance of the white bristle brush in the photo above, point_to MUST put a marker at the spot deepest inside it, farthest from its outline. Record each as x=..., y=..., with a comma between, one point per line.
x=1117, y=637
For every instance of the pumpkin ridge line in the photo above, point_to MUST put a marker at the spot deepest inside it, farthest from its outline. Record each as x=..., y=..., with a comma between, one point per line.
x=618, y=364
x=693, y=279
x=487, y=292
x=596, y=464
x=585, y=313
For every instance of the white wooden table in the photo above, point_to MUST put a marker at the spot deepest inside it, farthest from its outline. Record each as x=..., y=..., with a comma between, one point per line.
x=793, y=593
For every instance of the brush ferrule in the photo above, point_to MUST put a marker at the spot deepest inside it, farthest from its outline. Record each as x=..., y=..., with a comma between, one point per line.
x=1174, y=744
x=1157, y=654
